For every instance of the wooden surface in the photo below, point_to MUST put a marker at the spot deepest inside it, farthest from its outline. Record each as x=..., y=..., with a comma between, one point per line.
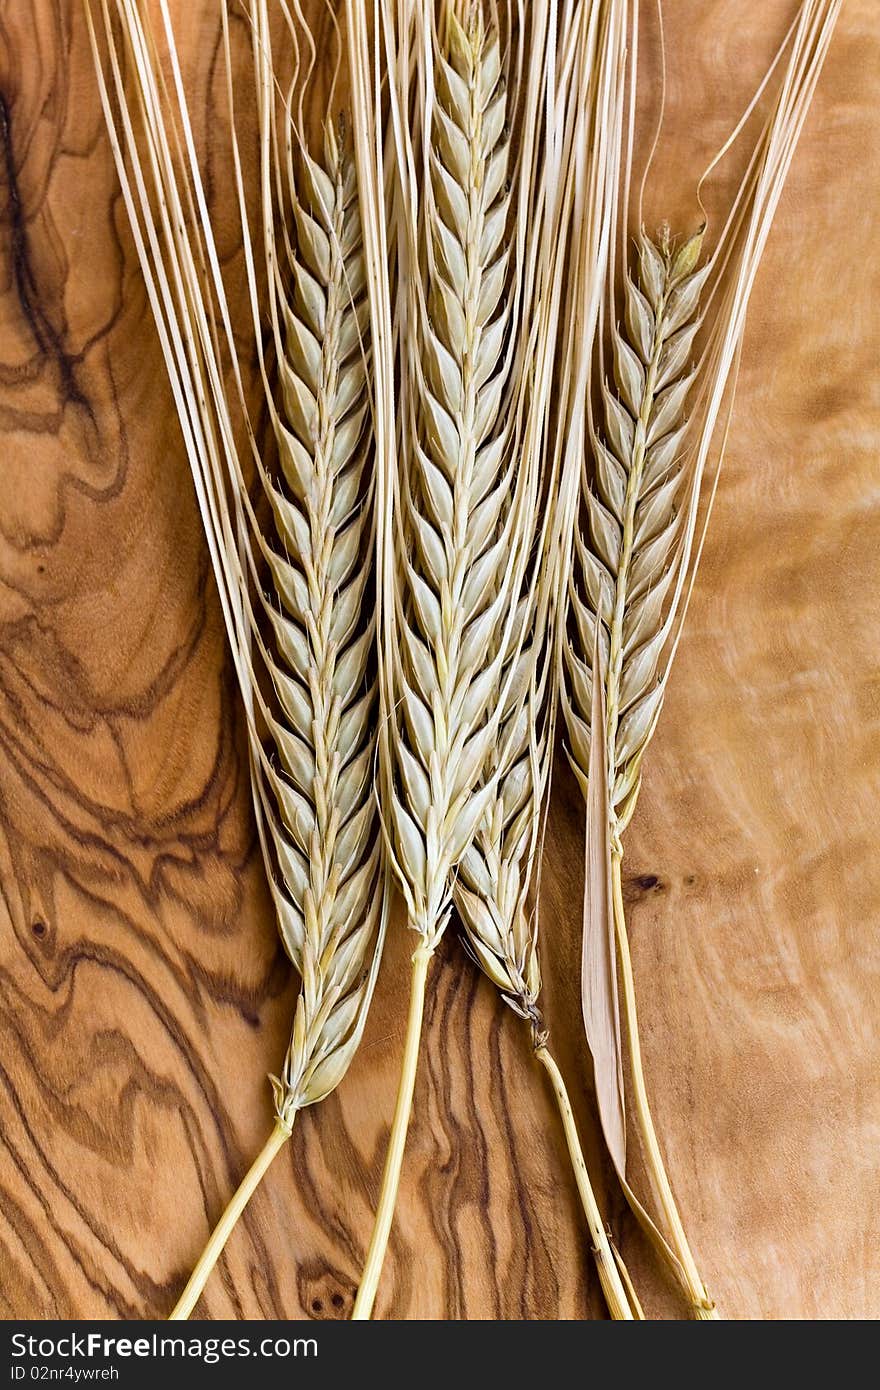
x=144, y=995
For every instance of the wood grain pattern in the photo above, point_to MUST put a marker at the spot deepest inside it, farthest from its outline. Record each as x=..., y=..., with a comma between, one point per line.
x=144, y=995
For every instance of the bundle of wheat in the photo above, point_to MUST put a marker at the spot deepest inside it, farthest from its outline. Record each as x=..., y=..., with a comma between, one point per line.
x=414, y=590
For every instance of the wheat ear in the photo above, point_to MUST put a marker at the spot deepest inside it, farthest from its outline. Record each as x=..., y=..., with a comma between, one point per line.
x=650, y=471
x=313, y=797
x=317, y=804
x=622, y=582
x=460, y=515
x=623, y=574
x=323, y=818
x=494, y=879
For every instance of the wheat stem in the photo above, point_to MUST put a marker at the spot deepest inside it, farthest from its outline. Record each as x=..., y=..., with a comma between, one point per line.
x=460, y=494
x=294, y=577
x=624, y=607
x=222, y=1231
x=702, y=1306
x=366, y=1294
x=609, y=1275
x=638, y=1311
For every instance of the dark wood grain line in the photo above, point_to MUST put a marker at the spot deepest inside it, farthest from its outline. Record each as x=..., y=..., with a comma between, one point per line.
x=49, y=341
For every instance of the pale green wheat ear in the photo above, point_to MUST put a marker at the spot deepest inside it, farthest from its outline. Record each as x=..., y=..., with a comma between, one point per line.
x=322, y=818
x=496, y=885
x=456, y=531
x=622, y=593
x=304, y=575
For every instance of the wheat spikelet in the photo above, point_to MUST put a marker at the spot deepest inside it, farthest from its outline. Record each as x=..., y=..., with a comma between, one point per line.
x=624, y=574
x=313, y=791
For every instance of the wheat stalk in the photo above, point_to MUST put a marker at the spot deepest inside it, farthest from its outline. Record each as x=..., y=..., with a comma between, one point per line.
x=463, y=515
x=621, y=585
x=632, y=580
x=314, y=795
x=491, y=893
